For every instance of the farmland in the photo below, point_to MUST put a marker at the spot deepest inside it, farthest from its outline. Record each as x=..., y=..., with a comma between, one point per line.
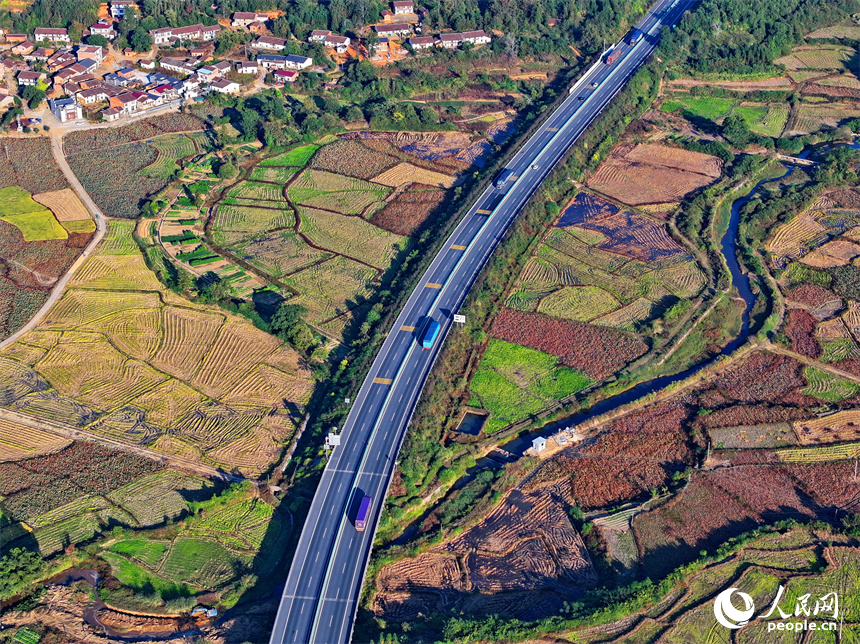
x=132, y=363
x=43, y=229
x=122, y=167
x=653, y=174
x=513, y=382
x=327, y=220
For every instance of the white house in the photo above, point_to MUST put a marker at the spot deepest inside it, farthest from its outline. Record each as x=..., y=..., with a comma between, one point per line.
x=283, y=76
x=478, y=37
x=270, y=61
x=176, y=65
x=224, y=86
x=422, y=42
x=339, y=43
x=450, y=41
x=248, y=18
x=166, y=35
x=319, y=35
x=402, y=7
x=91, y=52
x=247, y=67
x=50, y=34
x=103, y=28
x=119, y=8
x=292, y=61
x=269, y=43
x=28, y=78
x=396, y=29
x=65, y=109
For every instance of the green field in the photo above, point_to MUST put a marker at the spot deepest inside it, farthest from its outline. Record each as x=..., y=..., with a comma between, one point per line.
x=513, y=382
x=170, y=149
x=297, y=157
x=147, y=552
x=35, y=222
x=707, y=107
x=828, y=387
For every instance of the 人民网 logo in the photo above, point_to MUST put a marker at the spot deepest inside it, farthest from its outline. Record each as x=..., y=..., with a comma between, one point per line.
x=727, y=614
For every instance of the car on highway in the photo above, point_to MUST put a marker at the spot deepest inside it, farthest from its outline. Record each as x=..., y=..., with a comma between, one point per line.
x=594, y=85
x=581, y=98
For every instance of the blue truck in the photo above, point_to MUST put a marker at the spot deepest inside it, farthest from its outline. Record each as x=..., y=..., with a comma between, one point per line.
x=504, y=176
x=635, y=37
x=431, y=332
x=361, y=515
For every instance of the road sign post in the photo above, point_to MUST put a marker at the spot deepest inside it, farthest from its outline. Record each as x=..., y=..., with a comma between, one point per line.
x=459, y=319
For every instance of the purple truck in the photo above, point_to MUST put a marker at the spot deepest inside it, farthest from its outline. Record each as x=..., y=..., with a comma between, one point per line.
x=361, y=516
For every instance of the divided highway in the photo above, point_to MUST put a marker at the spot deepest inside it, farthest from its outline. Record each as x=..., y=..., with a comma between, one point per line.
x=321, y=595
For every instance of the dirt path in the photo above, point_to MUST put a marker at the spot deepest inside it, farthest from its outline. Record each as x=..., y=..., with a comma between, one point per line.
x=775, y=348
x=75, y=433
x=101, y=229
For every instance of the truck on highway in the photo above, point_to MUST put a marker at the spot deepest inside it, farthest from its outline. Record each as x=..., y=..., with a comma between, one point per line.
x=610, y=57
x=635, y=37
x=504, y=176
x=361, y=515
x=431, y=331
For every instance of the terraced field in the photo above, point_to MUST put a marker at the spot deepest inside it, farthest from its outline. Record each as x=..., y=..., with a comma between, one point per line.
x=140, y=365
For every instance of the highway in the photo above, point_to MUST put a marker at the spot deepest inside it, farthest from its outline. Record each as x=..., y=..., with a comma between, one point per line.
x=320, y=599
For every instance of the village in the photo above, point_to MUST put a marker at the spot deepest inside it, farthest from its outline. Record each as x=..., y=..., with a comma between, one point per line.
x=91, y=81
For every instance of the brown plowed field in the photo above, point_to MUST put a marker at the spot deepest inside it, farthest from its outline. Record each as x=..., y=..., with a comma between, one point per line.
x=650, y=174
x=526, y=542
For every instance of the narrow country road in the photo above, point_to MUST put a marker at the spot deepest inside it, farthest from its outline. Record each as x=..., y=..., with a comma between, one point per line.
x=101, y=229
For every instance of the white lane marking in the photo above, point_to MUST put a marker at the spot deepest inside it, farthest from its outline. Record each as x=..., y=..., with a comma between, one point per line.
x=338, y=488
x=325, y=532
x=317, y=557
x=350, y=543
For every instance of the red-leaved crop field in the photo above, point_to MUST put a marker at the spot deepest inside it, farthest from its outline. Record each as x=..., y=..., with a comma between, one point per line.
x=596, y=351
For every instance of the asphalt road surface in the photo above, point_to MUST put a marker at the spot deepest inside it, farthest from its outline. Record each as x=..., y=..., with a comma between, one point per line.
x=321, y=595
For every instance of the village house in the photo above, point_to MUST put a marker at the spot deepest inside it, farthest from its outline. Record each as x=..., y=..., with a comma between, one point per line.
x=269, y=43
x=387, y=16
x=49, y=34
x=392, y=31
x=271, y=61
x=225, y=86
x=165, y=93
x=450, y=41
x=178, y=66
x=478, y=37
x=168, y=35
x=23, y=48
x=117, y=80
x=15, y=39
x=402, y=7
x=65, y=109
x=422, y=42
x=119, y=8
x=127, y=102
x=247, y=67
x=86, y=81
x=41, y=55
x=319, y=35
x=93, y=95
x=103, y=28
x=203, y=54
x=208, y=72
x=28, y=78
x=111, y=113
x=248, y=18
x=283, y=76
x=91, y=52
x=339, y=43
x=12, y=65
x=147, y=63
x=294, y=61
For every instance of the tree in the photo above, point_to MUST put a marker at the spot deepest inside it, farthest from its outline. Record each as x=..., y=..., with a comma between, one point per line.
x=97, y=41
x=140, y=40
x=213, y=289
x=33, y=95
x=226, y=171
x=286, y=317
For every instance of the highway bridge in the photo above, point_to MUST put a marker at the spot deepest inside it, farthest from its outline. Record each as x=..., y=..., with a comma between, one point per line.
x=321, y=595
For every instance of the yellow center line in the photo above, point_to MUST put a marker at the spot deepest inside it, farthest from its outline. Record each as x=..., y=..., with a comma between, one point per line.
x=433, y=285
x=382, y=381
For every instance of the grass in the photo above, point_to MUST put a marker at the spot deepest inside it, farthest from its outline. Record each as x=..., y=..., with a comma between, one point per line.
x=145, y=551
x=138, y=578
x=707, y=107
x=514, y=382
x=199, y=562
x=297, y=157
x=764, y=119
x=828, y=387
x=170, y=148
x=86, y=226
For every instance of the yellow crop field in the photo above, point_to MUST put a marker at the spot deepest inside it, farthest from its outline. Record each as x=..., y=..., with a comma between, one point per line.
x=19, y=441
x=841, y=426
x=142, y=365
x=350, y=236
x=792, y=235
x=64, y=204
x=327, y=287
x=404, y=173
x=580, y=303
x=625, y=317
